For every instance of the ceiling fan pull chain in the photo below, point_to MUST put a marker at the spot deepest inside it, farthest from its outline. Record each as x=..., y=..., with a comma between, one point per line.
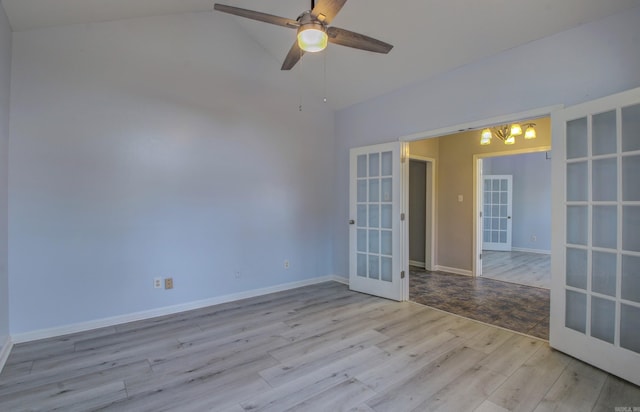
x=300, y=86
x=324, y=63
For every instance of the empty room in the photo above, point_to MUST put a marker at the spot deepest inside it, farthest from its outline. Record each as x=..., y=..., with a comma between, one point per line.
x=203, y=206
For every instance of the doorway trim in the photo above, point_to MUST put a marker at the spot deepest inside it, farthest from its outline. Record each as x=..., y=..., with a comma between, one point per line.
x=462, y=127
x=431, y=218
x=480, y=124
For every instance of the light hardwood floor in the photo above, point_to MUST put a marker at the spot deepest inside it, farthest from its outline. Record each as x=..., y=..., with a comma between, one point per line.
x=318, y=348
x=524, y=268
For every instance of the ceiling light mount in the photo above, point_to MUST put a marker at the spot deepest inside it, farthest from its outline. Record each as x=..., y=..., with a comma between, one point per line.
x=507, y=133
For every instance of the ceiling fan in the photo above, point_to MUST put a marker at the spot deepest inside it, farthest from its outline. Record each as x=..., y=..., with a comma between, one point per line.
x=313, y=30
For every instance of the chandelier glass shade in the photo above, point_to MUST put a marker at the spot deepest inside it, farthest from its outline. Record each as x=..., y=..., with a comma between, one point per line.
x=507, y=133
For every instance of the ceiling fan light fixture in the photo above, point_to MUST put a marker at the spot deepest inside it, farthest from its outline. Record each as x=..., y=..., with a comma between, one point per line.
x=312, y=37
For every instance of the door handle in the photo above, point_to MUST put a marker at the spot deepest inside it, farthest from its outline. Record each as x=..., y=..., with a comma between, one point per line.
x=352, y=222
x=508, y=217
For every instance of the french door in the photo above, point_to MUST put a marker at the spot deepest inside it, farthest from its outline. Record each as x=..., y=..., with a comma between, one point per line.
x=595, y=291
x=376, y=260
x=496, y=212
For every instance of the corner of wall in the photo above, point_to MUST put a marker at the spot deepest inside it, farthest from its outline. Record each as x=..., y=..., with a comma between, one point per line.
x=6, y=39
x=5, y=350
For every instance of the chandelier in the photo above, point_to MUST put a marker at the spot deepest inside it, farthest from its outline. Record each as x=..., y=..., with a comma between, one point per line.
x=507, y=133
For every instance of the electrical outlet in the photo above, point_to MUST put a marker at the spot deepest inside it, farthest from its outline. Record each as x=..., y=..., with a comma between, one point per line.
x=533, y=238
x=168, y=283
x=286, y=264
x=157, y=283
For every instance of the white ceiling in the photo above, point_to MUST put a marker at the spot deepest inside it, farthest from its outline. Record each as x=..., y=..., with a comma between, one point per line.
x=430, y=37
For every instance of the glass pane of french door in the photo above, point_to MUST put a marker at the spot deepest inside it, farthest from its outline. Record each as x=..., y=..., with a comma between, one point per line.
x=496, y=212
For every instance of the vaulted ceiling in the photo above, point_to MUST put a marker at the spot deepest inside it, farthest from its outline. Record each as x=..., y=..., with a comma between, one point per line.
x=429, y=37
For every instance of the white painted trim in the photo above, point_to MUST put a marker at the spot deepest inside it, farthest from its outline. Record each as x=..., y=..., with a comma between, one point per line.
x=456, y=271
x=480, y=124
x=404, y=223
x=5, y=351
x=340, y=279
x=477, y=226
x=416, y=263
x=538, y=251
x=168, y=310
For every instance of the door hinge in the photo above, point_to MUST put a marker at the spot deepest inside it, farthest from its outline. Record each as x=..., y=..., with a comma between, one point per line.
x=480, y=256
x=480, y=214
x=402, y=275
x=402, y=217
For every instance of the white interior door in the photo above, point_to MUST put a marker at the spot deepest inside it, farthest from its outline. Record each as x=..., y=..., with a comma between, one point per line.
x=497, y=196
x=595, y=290
x=375, y=231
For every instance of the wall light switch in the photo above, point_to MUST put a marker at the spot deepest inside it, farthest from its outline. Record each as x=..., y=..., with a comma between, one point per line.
x=460, y=198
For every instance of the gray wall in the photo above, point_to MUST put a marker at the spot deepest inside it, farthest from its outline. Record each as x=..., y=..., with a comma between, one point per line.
x=531, y=211
x=154, y=147
x=5, y=82
x=581, y=64
x=417, y=210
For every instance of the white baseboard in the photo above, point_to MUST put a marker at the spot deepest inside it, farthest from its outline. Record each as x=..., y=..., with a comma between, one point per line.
x=4, y=351
x=340, y=279
x=416, y=263
x=524, y=249
x=168, y=310
x=457, y=271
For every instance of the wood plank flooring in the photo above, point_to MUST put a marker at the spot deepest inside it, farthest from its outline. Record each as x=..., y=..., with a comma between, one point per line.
x=316, y=348
x=524, y=268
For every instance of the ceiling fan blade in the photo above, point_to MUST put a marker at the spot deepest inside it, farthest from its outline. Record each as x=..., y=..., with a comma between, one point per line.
x=256, y=15
x=292, y=57
x=357, y=41
x=328, y=9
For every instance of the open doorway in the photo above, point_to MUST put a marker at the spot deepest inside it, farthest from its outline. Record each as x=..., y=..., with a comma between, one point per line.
x=453, y=283
x=515, y=225
x=421, y=212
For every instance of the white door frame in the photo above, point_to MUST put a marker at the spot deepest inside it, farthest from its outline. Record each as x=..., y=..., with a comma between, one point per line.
x=477, y=197
x=430, y=230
